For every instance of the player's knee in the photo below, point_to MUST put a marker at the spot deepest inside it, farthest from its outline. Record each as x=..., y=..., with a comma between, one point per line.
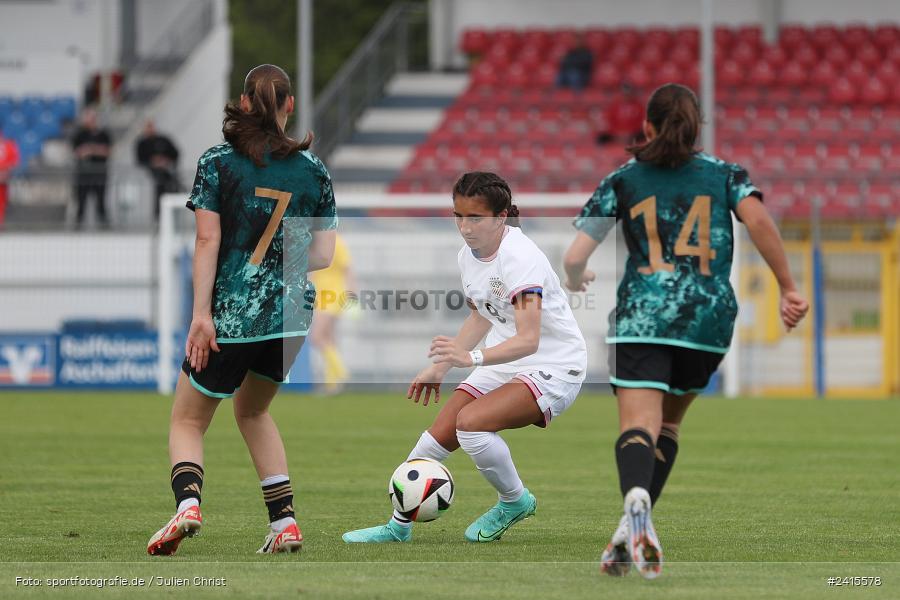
x=190, y=420
x=244, y=412
x=467, y=420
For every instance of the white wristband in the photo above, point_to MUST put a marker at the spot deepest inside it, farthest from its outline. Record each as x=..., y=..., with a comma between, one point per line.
x=477, y=358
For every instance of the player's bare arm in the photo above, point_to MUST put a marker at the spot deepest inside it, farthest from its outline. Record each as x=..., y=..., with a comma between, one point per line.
x=202, y=334
x=767, y=240
x=524, y=343
x=578, y=276
x=321, y=250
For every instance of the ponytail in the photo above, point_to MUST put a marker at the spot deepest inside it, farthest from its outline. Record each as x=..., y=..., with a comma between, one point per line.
x=255, y=132
x=674, y=112
x=493, y=189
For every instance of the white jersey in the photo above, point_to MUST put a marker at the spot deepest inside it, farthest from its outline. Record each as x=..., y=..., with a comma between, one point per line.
x=492, y=285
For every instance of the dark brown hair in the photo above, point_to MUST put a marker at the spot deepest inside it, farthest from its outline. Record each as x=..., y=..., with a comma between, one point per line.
x=256, y=132
x=493, y=189
x=674, y=112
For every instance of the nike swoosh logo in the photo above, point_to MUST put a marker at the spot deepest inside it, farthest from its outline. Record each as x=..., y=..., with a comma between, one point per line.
x=516, y=519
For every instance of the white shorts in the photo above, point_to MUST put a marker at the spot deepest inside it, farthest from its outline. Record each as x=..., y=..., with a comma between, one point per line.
x=552, y=394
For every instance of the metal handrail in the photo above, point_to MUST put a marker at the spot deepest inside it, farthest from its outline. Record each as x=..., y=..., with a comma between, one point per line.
x=361, y=80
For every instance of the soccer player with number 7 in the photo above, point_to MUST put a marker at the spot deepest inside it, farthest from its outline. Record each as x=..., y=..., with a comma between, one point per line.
x=253, y=195
x=675, y=309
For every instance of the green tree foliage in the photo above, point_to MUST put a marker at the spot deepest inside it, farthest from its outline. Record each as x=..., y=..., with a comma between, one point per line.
x=265, y=31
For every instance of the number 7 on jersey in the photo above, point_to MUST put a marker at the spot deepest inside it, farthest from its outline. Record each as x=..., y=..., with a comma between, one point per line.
x=282, y=199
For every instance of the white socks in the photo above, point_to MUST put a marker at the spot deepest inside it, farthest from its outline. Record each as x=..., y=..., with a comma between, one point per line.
x=186, y=504
x=426, y=447
x=492, y=457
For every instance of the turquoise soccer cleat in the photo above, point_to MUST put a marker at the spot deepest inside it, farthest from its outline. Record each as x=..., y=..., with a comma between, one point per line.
x=379, y=535
x=490, y=526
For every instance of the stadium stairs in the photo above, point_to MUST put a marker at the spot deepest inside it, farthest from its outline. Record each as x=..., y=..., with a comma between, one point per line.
x=388, y=132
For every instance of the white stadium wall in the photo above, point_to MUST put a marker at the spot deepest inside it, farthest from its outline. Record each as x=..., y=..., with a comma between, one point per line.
x=451, y=17
x=85, y=29
x=48, y=278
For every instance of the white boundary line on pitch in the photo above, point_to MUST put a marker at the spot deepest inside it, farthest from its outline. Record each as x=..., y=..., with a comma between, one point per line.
x=434, y=562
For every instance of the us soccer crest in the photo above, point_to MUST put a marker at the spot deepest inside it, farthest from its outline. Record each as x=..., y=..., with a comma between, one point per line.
x=497, y=287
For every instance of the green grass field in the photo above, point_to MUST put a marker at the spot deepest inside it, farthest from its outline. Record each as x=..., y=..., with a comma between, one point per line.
x=769, y=498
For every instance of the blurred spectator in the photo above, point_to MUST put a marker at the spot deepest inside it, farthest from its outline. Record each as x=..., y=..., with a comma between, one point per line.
x=159, y=155
x=9, y=160
x=576, y=67
x=91, y=145
x=624, y=118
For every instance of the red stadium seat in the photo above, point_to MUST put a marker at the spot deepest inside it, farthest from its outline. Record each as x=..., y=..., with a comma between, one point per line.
x=730, y=74
x=628, y=37
x=508, y=38
x=886, y=37
x=606, y=75
x=792, y=36
x=775, y=56
x=500, y=55
x=485, y=74
x=539, y=39
x=517, y=75
x=806, y=56
x=874, y=93
x=682, y=55
x=652, y=56
x=598, y=40
x=856, y=35
x=869, y=55
x=566, y=37
x=749, y=34
x=639, y=76
x=837, y=55
x=723, y=36
x=869, y=157
x=823, y=74
x=475, y=41
x=834, y=165
x=745, y=54
x=793, y=74
x=825, y=35
x=687, y=36
x=657, y=36
x=842, y=92
x=762, y=74
x=857, y=73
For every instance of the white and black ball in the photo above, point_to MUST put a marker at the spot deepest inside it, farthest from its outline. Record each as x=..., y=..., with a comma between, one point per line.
x=421, y=489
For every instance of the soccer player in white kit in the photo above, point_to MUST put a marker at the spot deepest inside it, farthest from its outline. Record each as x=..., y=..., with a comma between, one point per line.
x=529, y=371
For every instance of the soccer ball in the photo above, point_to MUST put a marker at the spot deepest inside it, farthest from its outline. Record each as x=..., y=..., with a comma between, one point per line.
x=421, y=489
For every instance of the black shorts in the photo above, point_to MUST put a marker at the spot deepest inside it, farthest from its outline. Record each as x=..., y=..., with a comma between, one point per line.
x=672, y=369
x=226, y=369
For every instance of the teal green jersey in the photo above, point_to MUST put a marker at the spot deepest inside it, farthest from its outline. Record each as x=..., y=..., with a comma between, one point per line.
x=268, y=215
x=677, y=226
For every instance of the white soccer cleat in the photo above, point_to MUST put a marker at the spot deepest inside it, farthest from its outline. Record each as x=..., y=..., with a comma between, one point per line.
x=643, y=545
x=289, y=539
x=165, y=542
x=615, y=560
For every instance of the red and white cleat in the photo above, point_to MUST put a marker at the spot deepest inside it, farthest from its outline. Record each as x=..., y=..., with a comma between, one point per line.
x=289, y=539
x=165, y=542
x=643, y=545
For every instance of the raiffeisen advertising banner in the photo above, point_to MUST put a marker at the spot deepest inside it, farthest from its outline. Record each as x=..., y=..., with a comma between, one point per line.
x=125, y=358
